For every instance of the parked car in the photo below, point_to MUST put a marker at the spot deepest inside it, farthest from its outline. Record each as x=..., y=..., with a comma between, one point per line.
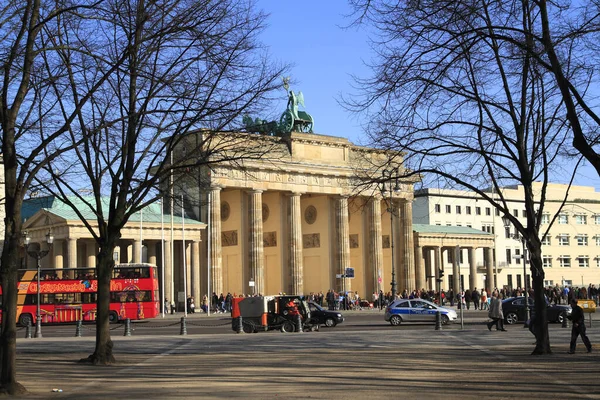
x=321, y=316
x=514, y=310
x=416, y=310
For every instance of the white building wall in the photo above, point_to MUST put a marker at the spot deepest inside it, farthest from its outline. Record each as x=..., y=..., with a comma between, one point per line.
x=581, y=226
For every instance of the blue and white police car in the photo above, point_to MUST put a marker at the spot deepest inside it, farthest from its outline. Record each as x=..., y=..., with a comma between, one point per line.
x=416, y=310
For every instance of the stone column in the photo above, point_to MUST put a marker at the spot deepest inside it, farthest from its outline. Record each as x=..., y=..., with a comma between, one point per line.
x=59, y=260
x=455, y=268
x=343, y=240
x=429, y=273
x=437, y=258
x=296, y=262
x=215, y=256
x=137, y=251
x=196, y=272
x=151, y=245
x=169, y=293
x=71, y=255
x=375, y=264
x=257, y=257
x=489, y=269
x=420, y=281
x=407, y=274
x=91, y=250
x=472, y=269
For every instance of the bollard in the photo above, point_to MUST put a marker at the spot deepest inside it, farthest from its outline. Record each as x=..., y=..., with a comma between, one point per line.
x=565, y=322
x=438, y=321
x=28, y=330
x=240, y=326
x=78, y=328
x=127, y=327
x=298, y=323
x=183, y=330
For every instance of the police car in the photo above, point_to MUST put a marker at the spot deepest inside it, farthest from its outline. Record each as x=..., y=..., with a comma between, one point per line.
x=416, y=310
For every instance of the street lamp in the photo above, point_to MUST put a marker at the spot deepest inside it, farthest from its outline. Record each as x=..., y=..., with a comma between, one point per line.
x=516, y=236
x=391, y=176
x=38, y=255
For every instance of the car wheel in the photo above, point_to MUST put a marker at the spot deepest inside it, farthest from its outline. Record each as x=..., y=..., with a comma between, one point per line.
x=395, y=320
x=511, y=318
x=330, y=323
x=561, y=317
x=25, y=319
x=445, y=319
x=113, y=317
x=288, y=327
x=248, y=327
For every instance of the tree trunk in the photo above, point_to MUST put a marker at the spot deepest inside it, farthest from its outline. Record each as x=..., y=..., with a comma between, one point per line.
x=8, y=339
x=103, y=354
x=542, y=342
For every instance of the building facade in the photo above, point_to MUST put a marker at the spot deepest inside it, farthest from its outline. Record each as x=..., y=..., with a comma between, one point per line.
x=570, y=250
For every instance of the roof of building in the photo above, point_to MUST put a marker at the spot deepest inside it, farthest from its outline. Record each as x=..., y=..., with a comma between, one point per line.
x=151, y=213
x=456, y=230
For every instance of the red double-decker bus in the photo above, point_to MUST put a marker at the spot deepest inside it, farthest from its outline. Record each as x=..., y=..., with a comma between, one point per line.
x=68, y=295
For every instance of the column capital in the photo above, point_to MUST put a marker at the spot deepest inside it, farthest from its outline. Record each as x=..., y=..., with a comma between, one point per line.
x=256, y=191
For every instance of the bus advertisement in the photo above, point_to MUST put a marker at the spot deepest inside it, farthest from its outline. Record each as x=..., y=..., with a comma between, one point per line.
x=69, y=295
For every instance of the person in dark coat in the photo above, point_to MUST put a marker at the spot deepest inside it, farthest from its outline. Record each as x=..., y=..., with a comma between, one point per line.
x=578, y=328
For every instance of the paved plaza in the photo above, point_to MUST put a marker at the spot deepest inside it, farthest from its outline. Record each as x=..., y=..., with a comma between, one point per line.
x=399, y=363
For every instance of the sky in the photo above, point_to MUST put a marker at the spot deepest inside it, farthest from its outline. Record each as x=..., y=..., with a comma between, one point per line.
x=310, y=35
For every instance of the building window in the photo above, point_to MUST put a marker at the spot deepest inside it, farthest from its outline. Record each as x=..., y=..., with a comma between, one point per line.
x=564, y=261
x=581, y=219
x=510, y=281
x=597, y=240
x=548, y=282
x=516, y=213
x=524, y=214
x=563, y=219
x=545, y=218
x=438, y=208
x=477, y=210
x=508, y=257
x=518, y=256
x=597, y=219
x=468, y=210
x=598, y=262
x=582, y=240
x=448, y=209
x=458, y=210
x=497, y=212
x=507, y=234
x=547, y=261
x=584, y=261
x=546, y=241
x=469, y=225
x=488, y=211
x=438, y=223
x=563, y=240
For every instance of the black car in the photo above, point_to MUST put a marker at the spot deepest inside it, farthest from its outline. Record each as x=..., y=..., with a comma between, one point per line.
x=321, y=316
x=514, y=310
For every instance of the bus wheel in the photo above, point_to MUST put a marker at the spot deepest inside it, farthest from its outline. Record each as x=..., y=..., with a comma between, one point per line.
x=25, y=319
x=113, y=318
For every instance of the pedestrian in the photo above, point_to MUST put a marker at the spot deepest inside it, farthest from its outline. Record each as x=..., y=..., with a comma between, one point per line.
x=578, y=328
x=496, y=313
x=484, y=300
x=475, y=296
x=166, y=306
x=172, y=307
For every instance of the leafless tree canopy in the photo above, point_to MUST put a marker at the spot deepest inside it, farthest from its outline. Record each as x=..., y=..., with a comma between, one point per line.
x=466, y=90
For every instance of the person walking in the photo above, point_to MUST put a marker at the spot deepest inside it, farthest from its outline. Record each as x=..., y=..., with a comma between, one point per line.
x=496, y=313
x=578, y=328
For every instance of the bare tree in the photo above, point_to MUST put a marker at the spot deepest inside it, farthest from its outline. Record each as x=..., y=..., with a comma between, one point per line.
x=32, y=125
x=466, y=108
x=192, y=69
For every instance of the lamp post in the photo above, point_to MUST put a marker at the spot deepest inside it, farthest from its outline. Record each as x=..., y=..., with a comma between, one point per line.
x=519, y=237
x=38, y=255
x=389, y=176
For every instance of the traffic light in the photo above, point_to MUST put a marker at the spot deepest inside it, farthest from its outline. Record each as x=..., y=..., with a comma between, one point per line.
x=441, y=273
